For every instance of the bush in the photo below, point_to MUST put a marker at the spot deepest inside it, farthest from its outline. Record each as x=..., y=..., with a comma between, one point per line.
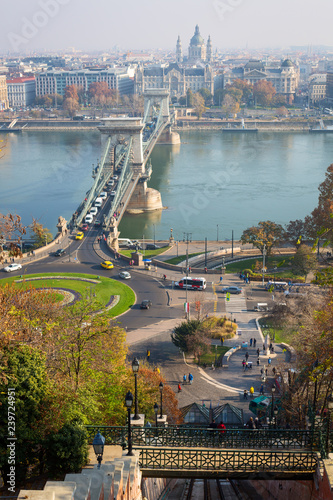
x=66, y=450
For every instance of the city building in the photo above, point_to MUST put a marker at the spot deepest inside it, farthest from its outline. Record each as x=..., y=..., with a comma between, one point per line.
x=284, y=77
x=198, y=52
x=329, y=86
x=21, y=91
x=317, y=88
x=3, y=93
x=175, y=78
x=55, y=82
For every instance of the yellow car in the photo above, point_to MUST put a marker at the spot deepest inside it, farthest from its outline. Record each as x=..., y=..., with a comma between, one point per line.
x=79, y=235
x=107, y=264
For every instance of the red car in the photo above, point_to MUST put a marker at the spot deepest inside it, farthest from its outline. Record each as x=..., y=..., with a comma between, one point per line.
x=85, y=227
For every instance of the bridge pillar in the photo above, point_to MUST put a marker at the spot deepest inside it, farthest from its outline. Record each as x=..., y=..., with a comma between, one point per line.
x=156, y=97
x=144, y=199
x=120, y=131
x=169, y=137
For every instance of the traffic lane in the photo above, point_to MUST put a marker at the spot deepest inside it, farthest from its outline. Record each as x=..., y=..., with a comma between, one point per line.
x=256, y=294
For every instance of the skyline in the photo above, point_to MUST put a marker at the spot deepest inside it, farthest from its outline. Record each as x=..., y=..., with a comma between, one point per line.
x=56, y=25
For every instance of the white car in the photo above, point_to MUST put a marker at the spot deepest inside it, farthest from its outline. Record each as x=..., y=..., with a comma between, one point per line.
x=103, y=195
x=125, y=275
x=94, y=210
x=12, y=267
x=113, y=193
x=115, y=177
x=88, y=219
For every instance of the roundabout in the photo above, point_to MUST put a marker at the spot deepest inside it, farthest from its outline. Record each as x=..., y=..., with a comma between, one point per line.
x=112, y=297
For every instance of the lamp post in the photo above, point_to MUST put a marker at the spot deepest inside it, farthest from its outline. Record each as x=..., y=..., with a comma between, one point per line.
x=156, y=412
x=161, y=392
x=272, y=404
x=276, y=411
x=135, y=368
x=98, y=445
x=263, y=265
x=128, y=404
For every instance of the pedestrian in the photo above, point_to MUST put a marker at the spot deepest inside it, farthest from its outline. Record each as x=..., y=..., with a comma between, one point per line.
x=274, y=370
x=190, y=378
x=189, y=269
x=251, y=424
x=258, y=361
x=249, y=364
x=206, y=270
x=221, y=427
x=222, y=340
x=254, y=342
x=245, y=394
x=257, y=423
x=269, y=361
x=184, y=379
x=263, y=348
x=261, y=391
x=251, y=391
x=266, y=371
x=179, y=388
x=246, y=355
x=258, y=351
x=250, y=342
x=246, y=365
x=213, y=425
x=262, y=371
x=243, y=364
x=148, y=354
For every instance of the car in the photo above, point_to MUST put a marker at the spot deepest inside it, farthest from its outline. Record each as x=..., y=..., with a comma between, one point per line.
x=79, y=235
x=151, y=246
x=113, y=193
x=59, y=252
x=107, y=264
x=97, y=222
x=125, y=275
x=88, y=219
x=115, y=177
x=103, y=195
x=12, y=267
x=94, y=210
x=146, y=304
x=231, y=289
x=111, y=182
x=84, y=227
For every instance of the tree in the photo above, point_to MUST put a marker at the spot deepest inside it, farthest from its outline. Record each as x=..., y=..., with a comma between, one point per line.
x=198, y=105
x=229, y=105
x=235, y=93
x=182, y=333
x=263, y=92
x=219, y=96
x=295, y=231
x=320, y=222
x=206, y=94
x=11, y=232
x=282, y=111
x=304, y=261
x=71, y=92
x=71, y=106
x=245, y=87
x=189, y=98
x=41, y=235
x=266, y=235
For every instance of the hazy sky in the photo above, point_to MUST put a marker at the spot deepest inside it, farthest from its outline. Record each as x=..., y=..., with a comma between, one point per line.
x=33, y=25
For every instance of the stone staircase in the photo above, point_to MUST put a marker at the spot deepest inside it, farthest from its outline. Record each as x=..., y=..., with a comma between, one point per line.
x=116, y=480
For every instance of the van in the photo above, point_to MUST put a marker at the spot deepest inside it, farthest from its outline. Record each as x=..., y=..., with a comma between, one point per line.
x=98, y=202
x=261, y=306
x=277, y=285
x=88, y=219
x=94, y=210
x=125, y=242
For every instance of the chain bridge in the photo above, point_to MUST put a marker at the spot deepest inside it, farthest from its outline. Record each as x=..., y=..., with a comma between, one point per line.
x=209, y=453
x=126, y=147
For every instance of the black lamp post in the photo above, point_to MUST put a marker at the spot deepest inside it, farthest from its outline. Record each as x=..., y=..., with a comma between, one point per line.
x=98, y=445
x=161, y=391
x=135, y=368
x=276, y=411
x=128, y=404
x=156, y=412
x=272, y=405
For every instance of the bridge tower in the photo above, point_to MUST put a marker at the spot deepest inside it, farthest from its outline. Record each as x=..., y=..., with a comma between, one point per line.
x=157, y=101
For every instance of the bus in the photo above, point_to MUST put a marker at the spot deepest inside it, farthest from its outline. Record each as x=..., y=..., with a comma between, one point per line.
x=191, y=283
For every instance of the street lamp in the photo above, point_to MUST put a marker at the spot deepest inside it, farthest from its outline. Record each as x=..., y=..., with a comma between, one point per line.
x=276, y=411
x=161, y=391
x=272, y=405
x=98, y=445
x=128, y=404
x=156, y=412
x=135, y=368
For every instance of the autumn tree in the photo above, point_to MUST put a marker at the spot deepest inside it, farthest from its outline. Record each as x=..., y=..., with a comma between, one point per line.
x=234, y=92
x=295, y=232
x=244, y=86
x=11, y=233
x=71, y=92
x=282, y=111
x=263, y=92
x=229, y=105
x=206, y=94
x=71, y=106
x=264, y=236
x=40, y=234
x=189, y=98
x=198, y=105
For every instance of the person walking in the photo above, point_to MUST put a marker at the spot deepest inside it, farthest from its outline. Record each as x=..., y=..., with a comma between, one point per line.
x=179, y=388
x=258, y=351
x=184, y=379
x=243, y=364
x=246, y=355
x=251, y=342
x=261, y=391
x=190, y=378
x=251, y=391
x=254, y=342
x=245, y=394
x=148, y=354
x=269, y=361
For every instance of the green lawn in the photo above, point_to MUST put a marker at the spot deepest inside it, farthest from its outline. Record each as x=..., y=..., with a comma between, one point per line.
x=102, y=290
x=270, y=263
x=148, y=254
x=209, y=357
x=268, y=327
x=181, y=258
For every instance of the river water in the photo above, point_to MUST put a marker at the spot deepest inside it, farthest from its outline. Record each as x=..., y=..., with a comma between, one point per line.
x=212, y=184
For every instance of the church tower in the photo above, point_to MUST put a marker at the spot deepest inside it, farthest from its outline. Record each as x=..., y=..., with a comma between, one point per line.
x=179, y=51
x=197, y=48
x=209, y=53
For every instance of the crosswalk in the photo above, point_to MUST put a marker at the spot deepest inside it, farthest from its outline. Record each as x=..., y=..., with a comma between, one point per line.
x=237, y=303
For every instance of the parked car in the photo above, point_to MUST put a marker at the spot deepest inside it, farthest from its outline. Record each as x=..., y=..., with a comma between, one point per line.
x=146, y=304
x=79, y=235
x=125, y=275
x=59, y=252
x=107, y=264
x=12, y=267
x=151, y=246
x=231, y=289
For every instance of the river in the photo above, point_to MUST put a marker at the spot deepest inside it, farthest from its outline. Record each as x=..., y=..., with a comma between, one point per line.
x=212, y=184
